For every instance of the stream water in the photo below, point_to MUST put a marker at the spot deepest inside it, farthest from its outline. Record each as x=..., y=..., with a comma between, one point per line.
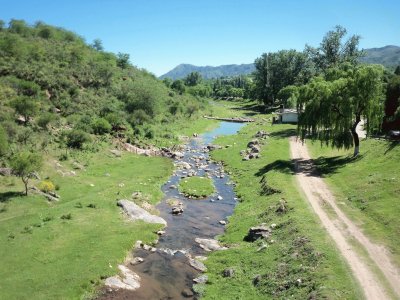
x=166, y=273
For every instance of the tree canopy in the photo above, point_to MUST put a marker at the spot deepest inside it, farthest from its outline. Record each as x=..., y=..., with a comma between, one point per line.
x=332, y=106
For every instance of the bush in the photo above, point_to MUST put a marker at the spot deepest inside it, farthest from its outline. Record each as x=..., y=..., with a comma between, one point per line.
x=76, y=139
x=101, y=126
x=45, y=119
x=46, y=186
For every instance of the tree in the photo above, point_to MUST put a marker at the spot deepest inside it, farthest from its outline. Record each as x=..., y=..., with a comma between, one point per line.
x=76, y=138
x=333, y=51
x=24, y=164
x=26, y=106
x=192, y=79
x=276, y=70
x=332, y=108
x=122, y=60
x=178, y=86
x=98, y=45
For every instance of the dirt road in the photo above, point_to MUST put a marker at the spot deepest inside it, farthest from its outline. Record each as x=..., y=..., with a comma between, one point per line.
x=342, y=229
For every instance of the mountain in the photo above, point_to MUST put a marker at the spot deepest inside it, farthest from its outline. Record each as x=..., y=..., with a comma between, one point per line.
x=389, y=56
x=209, y=72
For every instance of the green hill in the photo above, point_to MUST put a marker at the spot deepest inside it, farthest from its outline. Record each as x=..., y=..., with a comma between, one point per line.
x=209, y=72
x=389, y=56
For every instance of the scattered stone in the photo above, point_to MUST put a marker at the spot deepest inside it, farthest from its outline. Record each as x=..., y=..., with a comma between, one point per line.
x=201, y=279
x=137, y=195
x=213, y=147
x=172, y=186
x=183, y=165
x=128, y=280
x=257, y=279
x=219, y=197
x=222, y=222
x=161, y=232
x=77, y=166
x=92, y=185
x=187, y=293
x=121, y=185
x=209, y=244
x=261, y=134
x=228, y=272
x=177, y=210
x=261, y=231
x=201, y=258
x=281, y=207
x=5, y=171
x=273, y=225
x=136, y=261
x=253, y=143
x=135, y=212
x=173, y=202
x=198, y=265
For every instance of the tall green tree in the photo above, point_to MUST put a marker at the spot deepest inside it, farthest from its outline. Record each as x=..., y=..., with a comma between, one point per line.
x=26, y=106
x=274, y=71
x=178, y=86
x=192, y=79
x=24, y=164
x=334, y=50
x=332, y=108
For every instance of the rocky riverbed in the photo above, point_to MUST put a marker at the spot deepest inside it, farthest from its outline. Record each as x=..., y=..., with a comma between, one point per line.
x=169, y=269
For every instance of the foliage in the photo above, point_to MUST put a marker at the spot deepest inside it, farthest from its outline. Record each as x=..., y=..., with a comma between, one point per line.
x=334, y=106
x=26, y=106
x=24, y=164
x=192, y=79
x=333, y=51
x=76, y=138
x=178, y=86
x=101, y=126
x=275, y=71
x=46, y=186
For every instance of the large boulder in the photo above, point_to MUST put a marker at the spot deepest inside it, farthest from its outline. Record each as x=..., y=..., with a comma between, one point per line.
x=261, y=231
x=128, y=280
x=135, y=212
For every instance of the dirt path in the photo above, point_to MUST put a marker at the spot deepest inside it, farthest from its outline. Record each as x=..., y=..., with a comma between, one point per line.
x=342, y=229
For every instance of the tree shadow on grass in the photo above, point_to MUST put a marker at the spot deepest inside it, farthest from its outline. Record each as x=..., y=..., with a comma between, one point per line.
x=284, y=133
x=330, y=165
x=284, y=166
x=6, y=196
x=251, y=108
x=392, y=145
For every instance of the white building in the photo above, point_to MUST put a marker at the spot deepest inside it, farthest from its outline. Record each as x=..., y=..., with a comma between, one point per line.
x=288, y=116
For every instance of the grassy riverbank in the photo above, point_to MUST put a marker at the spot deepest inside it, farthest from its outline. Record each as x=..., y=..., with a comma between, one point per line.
x=366, y=188
x=299, y=260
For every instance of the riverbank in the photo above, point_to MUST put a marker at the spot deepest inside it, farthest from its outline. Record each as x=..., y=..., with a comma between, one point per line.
x=298, y=259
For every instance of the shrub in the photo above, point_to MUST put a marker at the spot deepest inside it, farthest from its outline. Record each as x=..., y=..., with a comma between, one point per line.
x=76, y=139
x=46, y=186
x=66, y=217
x=101, y=126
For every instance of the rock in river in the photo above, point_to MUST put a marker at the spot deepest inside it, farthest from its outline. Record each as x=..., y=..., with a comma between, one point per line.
x=128, y=280
x=135, y=212
x=209, y=244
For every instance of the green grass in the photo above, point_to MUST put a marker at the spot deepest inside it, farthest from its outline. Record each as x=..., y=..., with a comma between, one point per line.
x=196, y=187
x=366, y=188
x=301, y=248
x=44, y=256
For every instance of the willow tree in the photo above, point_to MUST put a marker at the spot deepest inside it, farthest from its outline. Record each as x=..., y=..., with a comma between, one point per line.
x=332, y=106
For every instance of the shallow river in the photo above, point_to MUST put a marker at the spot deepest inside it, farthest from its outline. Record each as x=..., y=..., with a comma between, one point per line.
x=166, y=273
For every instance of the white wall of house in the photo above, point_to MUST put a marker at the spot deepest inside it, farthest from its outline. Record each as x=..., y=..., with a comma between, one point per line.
x=289, y=117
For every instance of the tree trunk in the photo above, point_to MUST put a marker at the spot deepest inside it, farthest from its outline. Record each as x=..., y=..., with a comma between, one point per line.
x=25, y=181
x=356, y=139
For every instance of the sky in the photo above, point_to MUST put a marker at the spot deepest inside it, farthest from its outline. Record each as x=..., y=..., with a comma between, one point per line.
x=161, y=34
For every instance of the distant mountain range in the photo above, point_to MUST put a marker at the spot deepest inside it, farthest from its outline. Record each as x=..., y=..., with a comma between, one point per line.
x=389, y=56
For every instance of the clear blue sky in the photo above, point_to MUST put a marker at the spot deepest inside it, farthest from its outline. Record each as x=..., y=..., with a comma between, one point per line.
x=160, y=34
